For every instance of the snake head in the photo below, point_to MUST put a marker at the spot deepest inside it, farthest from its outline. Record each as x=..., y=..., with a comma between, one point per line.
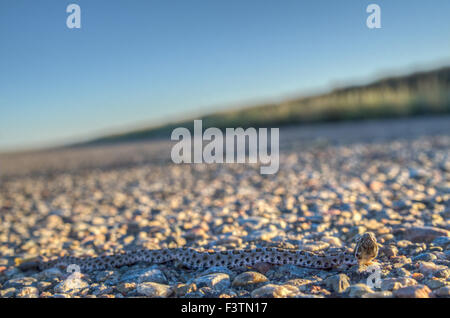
x=366, y=248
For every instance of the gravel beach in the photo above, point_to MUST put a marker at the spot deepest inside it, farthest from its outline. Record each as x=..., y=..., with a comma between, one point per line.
x=335, y=181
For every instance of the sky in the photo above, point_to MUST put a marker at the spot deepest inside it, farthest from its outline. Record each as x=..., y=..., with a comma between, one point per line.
x=136, y=63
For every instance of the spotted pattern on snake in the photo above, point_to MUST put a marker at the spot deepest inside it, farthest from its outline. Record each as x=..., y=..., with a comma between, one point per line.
x=366, y=250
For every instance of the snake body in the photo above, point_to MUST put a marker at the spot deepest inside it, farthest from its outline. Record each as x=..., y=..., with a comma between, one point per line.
x=366, y=249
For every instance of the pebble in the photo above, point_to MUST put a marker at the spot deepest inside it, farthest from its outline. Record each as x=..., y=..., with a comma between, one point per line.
x=447, y=254
x=275, y=291
x=429, y=268
x=424, y=233
x=424, y=257
x=334, y=241
x=389, y=251
x=401, y=272
x=28, y=292
x=125, y=288
x=106, y=275
x=183, y=289
x=339, y=283
x=294, y=271
x=49, y=274
x=249, y=279
x=379, y=294
x=8, y=292
x=218, y=269
x=442, y=241
x=218, y=281
x=44, y=285
x=435, y=283
x=396, y=283
x=358, y=290
x=150, y=274
x=59, y=295
x=442, y=273
x=417, y=291
x=69, y=286
x=261, y=235
x=101, y=289
x=154, y=290
x=442, y=292
x=20, y=282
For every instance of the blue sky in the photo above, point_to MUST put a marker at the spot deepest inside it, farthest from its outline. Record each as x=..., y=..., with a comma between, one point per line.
x=142, y=62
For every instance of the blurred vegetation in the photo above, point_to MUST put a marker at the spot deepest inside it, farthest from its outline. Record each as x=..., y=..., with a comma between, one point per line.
x=424, y=93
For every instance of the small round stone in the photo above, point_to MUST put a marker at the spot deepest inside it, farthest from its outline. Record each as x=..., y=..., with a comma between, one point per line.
x=154, y=290
x=358, y=290
x=274, y=291
x=417, y=291
x=249, y=278
x=338, y=283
